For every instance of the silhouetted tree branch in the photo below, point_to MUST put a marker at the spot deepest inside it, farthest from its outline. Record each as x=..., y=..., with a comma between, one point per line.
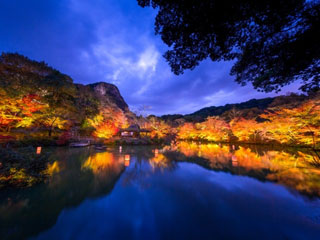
x=273, y=43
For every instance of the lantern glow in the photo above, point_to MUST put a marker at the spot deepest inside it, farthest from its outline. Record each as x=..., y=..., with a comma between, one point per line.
x=126, y=160
x=38, y=150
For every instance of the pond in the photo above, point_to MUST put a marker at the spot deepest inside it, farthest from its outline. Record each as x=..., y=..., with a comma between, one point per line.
x=182, y=191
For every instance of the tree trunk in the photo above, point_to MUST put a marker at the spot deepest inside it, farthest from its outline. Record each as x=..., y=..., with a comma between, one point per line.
x=50, y=132
x=8, y=128
x=51, y=127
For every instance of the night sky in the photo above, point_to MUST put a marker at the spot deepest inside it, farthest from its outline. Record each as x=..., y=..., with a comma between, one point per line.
x=114, y=41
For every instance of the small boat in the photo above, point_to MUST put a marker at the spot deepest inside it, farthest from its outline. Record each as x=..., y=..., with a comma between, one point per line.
x=79, y=144
x=100, y=147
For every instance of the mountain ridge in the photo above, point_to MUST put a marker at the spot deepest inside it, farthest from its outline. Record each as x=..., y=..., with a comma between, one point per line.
x=250, y=109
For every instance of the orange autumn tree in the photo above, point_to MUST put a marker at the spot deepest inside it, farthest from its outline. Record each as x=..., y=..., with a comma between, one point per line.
x=31, y=109
x=19, y=111
x=299, y=125
x=213, y=129
x=107, y=123
x=295, y=126
x=159, y=128
x=9, y=112
x=103, y=128
x=248, y=130
x=187, y=131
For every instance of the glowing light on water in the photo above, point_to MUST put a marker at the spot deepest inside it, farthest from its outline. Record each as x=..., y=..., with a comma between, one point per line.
x=38, y=150
x=99, y=162
x=53, y=168
x=234, y=161
x=127, y=160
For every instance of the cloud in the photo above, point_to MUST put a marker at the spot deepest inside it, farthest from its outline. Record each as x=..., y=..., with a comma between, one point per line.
x=114, y=41
x=121, y=62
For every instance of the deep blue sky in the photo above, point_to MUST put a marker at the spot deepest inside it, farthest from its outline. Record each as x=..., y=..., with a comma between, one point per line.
x=114, y=41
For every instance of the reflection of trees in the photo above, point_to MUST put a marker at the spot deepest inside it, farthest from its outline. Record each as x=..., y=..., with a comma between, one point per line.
x=292, y=168
x=101, y=164
x=29, y=211
x=52, y=168
x=160, y=163
x=78, y=174
x=146, y=162
x=136, y=173
x=104, y=166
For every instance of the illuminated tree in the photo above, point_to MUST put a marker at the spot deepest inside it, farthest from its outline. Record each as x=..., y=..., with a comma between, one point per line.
x=213, y=129
x=300, y=124
x=247, y=130
x=104, y=128
x=19, y=111
x=187, y=131
x=159, y=129
x=9, y=113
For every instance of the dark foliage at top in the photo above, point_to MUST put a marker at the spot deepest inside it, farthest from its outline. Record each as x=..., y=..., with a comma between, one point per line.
x=273, y=43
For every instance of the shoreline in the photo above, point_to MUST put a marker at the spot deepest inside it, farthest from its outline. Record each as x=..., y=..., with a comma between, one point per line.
x=45, y=142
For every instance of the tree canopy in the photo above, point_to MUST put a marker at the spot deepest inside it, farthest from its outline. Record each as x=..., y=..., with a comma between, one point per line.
x=272, y=43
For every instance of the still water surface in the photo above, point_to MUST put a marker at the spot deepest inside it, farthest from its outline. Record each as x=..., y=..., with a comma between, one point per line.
x=182, y=191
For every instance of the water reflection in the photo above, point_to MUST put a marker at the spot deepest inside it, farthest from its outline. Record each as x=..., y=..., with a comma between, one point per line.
x=127, y=160
x=159, y=161
x=289, y=167
x=134, y=180
x=76, y=174
x=102, y=164
x=53, y=168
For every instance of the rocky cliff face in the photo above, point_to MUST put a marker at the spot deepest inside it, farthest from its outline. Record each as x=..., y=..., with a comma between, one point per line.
x=111, y=101
x=109, y=93
x=108, y=99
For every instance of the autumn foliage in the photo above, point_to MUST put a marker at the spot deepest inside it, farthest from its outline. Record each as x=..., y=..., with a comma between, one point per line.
x=159, y=128
x=293, y=126
x=18, y=112
x=103, y=128
x=37, y=99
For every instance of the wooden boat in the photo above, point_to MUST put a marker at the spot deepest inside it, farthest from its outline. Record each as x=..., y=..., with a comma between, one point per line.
x=79, y=144
x=100, y=147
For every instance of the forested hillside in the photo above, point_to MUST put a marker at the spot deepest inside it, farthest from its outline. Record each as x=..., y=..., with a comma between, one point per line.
x=37, y=100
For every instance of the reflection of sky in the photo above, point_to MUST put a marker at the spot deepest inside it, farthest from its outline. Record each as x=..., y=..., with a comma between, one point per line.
x=114, y=41
x=191, y=202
